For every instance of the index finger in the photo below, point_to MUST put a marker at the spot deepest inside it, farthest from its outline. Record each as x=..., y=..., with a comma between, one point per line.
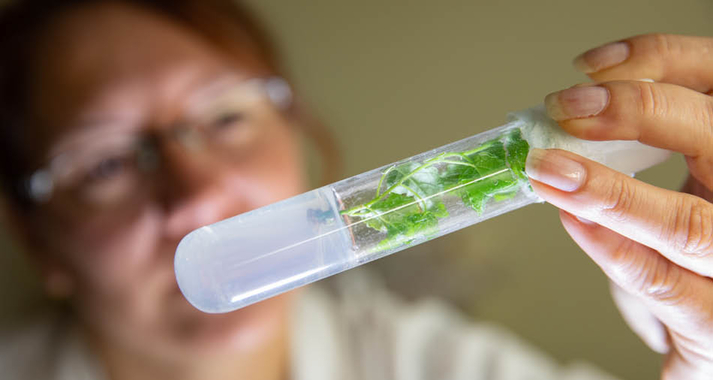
x=679, y=226
x=658, y=114
x=675, y=59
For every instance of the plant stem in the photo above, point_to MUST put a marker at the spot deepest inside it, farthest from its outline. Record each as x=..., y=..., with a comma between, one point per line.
x=442, y=158
x=433, y=161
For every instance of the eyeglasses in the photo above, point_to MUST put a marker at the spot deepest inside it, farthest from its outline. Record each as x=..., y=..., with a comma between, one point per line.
x=113, y=170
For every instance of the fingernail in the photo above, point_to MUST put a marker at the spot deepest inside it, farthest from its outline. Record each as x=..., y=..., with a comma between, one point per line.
x=553, y=168
x=579, y=218
x=577, y=102
x=602, y=57
x=584, y=220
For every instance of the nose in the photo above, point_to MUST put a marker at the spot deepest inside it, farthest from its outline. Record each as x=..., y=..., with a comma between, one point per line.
x=196, y=190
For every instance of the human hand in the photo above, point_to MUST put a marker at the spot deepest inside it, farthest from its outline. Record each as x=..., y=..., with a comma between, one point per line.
x=655, y=245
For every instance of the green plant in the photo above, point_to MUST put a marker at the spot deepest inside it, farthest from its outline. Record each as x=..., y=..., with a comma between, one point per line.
x=408, y=200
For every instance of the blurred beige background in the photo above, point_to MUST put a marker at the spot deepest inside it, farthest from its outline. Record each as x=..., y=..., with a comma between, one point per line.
x=394, y=78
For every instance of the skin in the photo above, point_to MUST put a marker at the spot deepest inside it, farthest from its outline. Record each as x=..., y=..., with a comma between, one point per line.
x=655, y=245
x=114, y=69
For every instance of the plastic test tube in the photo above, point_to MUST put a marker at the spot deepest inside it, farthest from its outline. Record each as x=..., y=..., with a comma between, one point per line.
x=259, y=254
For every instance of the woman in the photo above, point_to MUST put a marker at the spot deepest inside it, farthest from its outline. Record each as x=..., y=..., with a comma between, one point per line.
x=126, y=124
x=108, y=85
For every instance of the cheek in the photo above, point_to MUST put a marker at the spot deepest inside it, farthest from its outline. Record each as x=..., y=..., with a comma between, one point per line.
x=278, y=173
x=107, y=251
x=124, y=274
x=116, y=251
x=123, y=260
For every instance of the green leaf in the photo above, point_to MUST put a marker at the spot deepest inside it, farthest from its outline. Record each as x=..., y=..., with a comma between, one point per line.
x=411, y=227
x=489, y=160
x=421, y=183
x=439, y=210
x=517, y=149
x=457, y=174
x=490, y=176
x=504, y=196
x=384, y=214
x=477, y=194
x=400, y=217
x=409, y=198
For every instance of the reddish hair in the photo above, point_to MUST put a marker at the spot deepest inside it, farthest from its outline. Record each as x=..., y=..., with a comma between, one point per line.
x=224, y=23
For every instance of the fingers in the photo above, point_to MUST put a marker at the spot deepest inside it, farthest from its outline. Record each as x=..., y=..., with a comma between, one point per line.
x=679, y=226
x=679, y=366
x=638, y=316
x=662, y=115
x=681, y=60
x=695, y=187
x=677, y=297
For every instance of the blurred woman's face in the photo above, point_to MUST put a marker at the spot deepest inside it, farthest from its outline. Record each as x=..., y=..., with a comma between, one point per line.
x=109, y=75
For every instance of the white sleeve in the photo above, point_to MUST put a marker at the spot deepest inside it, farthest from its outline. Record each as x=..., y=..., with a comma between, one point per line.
x=361, y=331
x=433, y=341
x=47, y=347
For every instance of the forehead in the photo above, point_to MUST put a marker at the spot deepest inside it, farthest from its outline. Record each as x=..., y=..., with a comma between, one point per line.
x=113, y=60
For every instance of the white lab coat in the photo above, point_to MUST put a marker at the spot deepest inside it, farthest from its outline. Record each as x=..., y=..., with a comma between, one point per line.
x=348, y=329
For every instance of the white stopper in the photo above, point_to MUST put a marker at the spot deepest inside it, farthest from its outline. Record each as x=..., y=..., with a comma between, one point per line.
x=628, y=157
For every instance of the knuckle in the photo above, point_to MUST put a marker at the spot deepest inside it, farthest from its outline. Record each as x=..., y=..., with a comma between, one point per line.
x=651, y=100
x=619, y=200
x=649, y=274
x=662, y=282
x=704, y=114
x=665, y=44
x=623, y=257
x=692, y=230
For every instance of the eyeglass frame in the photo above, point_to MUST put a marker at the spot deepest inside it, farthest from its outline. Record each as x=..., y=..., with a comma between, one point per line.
x=39, y=186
